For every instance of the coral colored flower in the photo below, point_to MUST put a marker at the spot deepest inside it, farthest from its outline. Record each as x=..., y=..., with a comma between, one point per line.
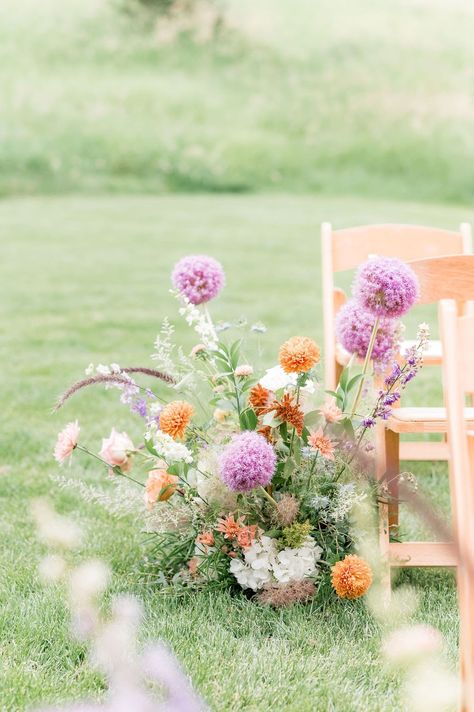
x=351, y=577
x=244, y=370
x=298, y=354
x=354, y=326
x=221, y=415
x=248, y=461
x=386, y=286
x=174, y=418
x=198, y=277
x=330, y=411
x=324, y=445
x=229, y=527
x=246, y=536
x=116, y=450
x=206, y=539
x=159, y=486
x=289, y=412
x=193, y=565
x=259, y=398
x=66, y=442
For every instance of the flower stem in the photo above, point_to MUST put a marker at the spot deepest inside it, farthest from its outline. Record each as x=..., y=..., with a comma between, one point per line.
x=368, y=357
x=117, y=471
x=269, y=497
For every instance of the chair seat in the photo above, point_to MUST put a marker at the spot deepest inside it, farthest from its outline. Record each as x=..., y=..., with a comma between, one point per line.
x=423, y=420
x=432, y=357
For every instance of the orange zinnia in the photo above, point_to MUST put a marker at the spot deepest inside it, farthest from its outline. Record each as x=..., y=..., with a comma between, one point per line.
x=288, y=412
x=351, y=577
x=174, y=418
x=324, y=445
x=259, y=397
x=299, y=354
x=246, y=536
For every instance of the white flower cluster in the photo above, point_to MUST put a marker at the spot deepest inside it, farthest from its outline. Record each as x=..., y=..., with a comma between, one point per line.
x=199, y=320
x=423, y=335
x=102, y=370
x=263, y=563
x=209, y=484
x=169, y=449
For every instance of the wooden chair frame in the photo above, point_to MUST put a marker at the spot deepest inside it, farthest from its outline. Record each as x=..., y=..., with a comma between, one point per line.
x=458, y=376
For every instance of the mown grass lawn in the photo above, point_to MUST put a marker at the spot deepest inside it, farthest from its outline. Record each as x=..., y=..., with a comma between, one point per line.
x=86, y=279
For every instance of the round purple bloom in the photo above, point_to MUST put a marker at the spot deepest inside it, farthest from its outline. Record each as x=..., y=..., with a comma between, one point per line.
x=354, y=327
x=247, y=462
x=198, y=277
x=386, y=286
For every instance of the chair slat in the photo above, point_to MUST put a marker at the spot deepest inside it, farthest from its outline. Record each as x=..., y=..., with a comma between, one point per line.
x=448, y=277
x=351, y=246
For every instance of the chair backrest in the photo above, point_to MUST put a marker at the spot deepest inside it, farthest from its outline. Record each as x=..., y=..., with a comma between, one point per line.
x=448, y=277
x=346, y=249
x=457, y=333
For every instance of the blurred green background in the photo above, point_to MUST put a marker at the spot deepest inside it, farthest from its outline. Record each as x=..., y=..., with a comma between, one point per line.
x=369, y=98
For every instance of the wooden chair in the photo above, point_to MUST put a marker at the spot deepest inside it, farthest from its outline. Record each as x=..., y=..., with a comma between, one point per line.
x=440, y=278
x=458, y=341
x=346, y=249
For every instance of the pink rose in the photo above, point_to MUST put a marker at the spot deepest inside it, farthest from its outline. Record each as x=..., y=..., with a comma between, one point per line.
x=66, y=442
x=116, y=450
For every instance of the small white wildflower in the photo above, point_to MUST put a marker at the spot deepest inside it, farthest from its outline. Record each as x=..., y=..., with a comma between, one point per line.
x=88, y=581
x=102, y=370
x=89, y=370
x=156, y=408
x=115, y=368
x=54, y=529
x=406, y=645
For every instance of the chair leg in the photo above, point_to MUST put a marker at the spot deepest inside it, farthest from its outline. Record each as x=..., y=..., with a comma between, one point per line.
x=383, y=522
x=392, y=463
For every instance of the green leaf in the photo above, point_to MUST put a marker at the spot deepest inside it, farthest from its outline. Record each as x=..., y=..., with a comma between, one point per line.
x=234, y=353
x=150, y=448
x=354, y=380
x=312, y=418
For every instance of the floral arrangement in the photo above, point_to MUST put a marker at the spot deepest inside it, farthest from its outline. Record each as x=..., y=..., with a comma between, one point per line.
x=249, y=478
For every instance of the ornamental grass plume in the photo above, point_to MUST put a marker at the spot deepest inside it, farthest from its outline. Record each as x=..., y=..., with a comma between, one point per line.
x=354, y=326
x=386, y=287
x=198, y=277
x=174, y=418
x=282, y=595
x=248, y=461
x=351, y=577
x=299, y=354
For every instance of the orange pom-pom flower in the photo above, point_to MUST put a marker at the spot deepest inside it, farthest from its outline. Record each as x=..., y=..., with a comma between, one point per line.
x=299, y=354
x=351, y=577
x=174, y=418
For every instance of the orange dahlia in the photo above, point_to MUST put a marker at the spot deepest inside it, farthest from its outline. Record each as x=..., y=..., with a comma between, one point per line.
x=322, y=444
x=298, y=354
x=351, y=577
x=174, y=418
x=259, y=398
x=288, y=412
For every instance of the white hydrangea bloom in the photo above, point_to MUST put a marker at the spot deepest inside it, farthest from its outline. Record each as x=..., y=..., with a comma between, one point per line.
x=275, y=378
x=256, y=569
x=169, y=449
x=297, y=564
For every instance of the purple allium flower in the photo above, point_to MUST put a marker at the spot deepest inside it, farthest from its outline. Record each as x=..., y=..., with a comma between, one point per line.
x=247, y=462
x=198, y=277
x=354, y=327
x=386, y=286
